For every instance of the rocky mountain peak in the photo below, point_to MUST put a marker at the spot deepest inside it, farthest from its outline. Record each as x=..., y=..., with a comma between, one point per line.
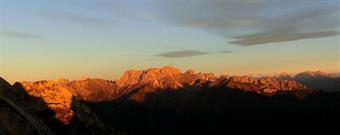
x=158, y=77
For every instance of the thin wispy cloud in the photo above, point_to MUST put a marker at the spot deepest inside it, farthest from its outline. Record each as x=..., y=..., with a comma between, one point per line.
x=181, y=54
x=190, y=53
x=84, y=20
x=225, y=51
x=272, y=37
x=15, y=34
x=251, y=22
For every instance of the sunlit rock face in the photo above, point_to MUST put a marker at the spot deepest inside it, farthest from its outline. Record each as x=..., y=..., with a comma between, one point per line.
x=167, y=77
x=150, y=80
x=153, y=79
x=95, y=90
x=56, y=96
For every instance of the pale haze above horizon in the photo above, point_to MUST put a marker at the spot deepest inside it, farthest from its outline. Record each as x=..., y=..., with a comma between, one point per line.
x=51, y=39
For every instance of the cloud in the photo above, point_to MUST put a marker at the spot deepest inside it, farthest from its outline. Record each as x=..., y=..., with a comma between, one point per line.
x=288, y=20
x=15, y=34
x=225, y=51
x=180, y=54
x=272, y=37
x=74, y=18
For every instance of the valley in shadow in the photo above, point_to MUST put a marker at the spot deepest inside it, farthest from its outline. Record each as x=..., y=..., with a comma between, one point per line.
x=215, y=110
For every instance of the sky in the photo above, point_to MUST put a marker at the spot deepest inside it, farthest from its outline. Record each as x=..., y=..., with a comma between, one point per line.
x=51, y=39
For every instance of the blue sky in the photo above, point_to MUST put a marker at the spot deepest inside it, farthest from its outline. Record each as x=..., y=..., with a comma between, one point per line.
x=50, y=39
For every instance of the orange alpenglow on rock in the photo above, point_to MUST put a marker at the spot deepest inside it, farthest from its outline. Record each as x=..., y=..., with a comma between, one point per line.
x=151, y=80
x=56, y=96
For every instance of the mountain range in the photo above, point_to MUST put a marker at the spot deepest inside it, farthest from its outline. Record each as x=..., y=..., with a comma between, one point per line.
x=156, y=100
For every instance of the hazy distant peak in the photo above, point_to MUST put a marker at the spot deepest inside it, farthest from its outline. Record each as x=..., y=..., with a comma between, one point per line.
x=313, y=74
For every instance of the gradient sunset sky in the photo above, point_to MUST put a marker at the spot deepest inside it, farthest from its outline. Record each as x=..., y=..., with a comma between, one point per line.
x=51, y=39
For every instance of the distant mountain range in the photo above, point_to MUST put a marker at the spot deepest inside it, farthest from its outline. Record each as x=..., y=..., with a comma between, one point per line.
x=157, y=95
x=316, y=80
